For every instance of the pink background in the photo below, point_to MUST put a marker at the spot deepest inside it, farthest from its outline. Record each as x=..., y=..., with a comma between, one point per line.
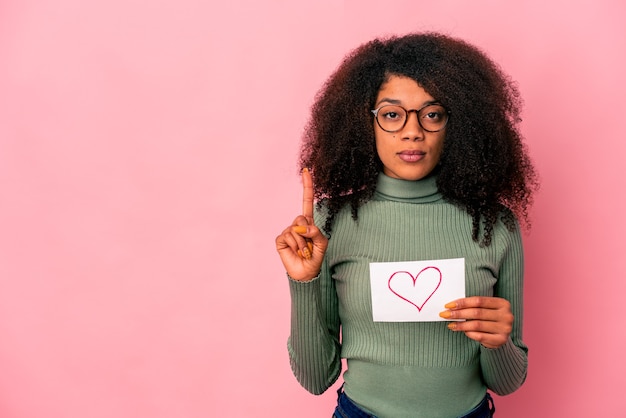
x=148, y=160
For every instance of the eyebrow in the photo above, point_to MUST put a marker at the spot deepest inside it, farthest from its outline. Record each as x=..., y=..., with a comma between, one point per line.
x=398, y=102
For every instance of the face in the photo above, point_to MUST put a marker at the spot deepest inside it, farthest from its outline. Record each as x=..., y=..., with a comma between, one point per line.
x=410, y=153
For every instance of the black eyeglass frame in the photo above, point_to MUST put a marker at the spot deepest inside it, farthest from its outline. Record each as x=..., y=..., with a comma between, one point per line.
x=417, y=114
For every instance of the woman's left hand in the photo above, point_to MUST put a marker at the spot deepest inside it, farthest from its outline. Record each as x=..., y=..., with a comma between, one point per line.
x=488, y=320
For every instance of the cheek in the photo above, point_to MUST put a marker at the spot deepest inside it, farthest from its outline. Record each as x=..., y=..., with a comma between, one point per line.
x=440, y=145
x=440, y=150
x=436, y=152
x=380, y=142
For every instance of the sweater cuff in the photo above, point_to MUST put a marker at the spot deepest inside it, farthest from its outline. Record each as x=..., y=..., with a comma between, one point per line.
x=291, y=279
x=507, y=364
x=304, y=297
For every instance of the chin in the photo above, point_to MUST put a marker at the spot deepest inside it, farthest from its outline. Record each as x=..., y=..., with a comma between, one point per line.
x=409, y=173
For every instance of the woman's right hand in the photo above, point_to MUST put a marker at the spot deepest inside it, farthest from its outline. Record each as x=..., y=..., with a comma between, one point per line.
x=301, y=246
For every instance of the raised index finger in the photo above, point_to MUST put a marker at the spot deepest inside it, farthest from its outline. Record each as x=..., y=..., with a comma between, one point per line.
x=307, y=194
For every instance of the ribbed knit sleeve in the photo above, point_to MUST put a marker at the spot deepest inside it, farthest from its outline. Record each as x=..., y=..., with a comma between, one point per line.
x=504, y=369
x=314, y=348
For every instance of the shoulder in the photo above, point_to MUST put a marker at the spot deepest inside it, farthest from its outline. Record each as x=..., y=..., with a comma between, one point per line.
x=507, y=233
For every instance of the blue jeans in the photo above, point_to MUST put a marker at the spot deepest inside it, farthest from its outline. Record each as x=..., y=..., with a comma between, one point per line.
x=347, y=409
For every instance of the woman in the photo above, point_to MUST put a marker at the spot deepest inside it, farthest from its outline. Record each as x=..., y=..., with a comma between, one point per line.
x=415, y=154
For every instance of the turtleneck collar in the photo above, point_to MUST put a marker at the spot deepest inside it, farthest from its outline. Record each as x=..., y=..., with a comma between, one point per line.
x=420, y=191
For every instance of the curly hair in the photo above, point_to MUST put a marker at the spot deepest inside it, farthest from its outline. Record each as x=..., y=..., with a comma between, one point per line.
x=484, y=168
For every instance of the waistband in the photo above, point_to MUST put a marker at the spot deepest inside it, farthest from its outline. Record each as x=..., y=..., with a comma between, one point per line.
x=348, y=409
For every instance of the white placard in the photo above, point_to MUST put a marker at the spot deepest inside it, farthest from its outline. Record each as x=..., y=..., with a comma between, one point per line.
x=415, y=291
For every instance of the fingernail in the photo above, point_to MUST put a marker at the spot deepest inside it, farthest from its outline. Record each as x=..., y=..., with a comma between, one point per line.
x=307, y=253
x=450, y=305
x=452, y=326
x=310, y=245
x=305, y=170
x=300, y=229
x=445, y=314
x=300, y=254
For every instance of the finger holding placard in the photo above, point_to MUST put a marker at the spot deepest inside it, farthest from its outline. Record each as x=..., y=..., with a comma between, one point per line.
x=488, y=320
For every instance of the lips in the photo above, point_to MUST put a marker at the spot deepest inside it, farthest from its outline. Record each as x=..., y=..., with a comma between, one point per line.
x=411, y=156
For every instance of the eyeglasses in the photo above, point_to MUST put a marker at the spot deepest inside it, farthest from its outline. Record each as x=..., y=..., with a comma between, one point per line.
x=392, y=118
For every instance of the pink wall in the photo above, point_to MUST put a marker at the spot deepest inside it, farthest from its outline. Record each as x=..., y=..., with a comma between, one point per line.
x=147, y=161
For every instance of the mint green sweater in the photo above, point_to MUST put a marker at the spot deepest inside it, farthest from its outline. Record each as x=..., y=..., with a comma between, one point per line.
x=405, y=369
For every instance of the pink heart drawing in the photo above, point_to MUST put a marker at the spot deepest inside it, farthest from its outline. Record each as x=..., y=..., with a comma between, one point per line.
x=406, y=287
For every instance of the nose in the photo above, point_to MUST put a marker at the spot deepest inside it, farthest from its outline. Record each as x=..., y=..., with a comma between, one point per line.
x=412, y=130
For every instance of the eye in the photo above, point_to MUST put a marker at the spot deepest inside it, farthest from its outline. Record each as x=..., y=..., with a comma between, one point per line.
x=433, y=113
x=391, y=113
x=434, y=116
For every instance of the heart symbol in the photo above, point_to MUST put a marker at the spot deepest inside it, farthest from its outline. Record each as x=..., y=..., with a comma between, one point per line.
x=405, y=286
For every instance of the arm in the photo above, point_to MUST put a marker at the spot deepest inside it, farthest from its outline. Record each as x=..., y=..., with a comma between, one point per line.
x=496, y=322
x=314, y=348
x=504, y=368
